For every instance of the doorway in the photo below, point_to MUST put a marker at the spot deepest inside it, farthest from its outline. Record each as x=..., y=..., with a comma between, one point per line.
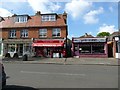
x=20, y=49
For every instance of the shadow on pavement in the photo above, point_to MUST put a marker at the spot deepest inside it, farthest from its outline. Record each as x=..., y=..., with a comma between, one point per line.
x=16, y=87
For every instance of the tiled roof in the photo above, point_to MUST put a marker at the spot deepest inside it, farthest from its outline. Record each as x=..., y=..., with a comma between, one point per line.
x=33, y=21
x=110, y=38
x=116, y=33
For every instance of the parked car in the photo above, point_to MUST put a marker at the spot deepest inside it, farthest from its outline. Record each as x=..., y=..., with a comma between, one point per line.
x=2, y=75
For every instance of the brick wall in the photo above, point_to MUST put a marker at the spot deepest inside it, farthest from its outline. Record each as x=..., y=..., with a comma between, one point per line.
x=32, y=32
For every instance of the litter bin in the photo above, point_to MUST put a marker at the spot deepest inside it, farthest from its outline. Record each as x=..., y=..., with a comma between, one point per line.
x=25, y=57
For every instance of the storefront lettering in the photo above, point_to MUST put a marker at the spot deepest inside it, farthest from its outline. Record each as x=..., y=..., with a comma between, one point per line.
x=90, y=40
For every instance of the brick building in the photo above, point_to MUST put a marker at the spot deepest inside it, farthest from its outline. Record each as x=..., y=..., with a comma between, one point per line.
x=114, y=45
x=41, y=34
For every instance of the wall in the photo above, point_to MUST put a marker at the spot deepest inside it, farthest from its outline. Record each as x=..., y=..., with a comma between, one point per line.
x=33, y=32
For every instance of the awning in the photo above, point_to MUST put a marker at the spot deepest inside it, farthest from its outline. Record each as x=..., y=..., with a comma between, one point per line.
x=48, y=44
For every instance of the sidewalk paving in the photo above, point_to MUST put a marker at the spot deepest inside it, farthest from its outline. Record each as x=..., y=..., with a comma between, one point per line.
x=66, y=61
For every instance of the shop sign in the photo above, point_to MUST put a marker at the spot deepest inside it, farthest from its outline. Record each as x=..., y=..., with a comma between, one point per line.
x=116, y=38
x=89, y=40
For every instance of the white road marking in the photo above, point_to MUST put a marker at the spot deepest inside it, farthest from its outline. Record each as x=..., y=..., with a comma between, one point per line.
x=48, y=73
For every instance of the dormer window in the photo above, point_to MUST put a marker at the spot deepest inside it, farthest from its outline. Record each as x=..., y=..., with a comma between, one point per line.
x=21, y=18
x=48, y=17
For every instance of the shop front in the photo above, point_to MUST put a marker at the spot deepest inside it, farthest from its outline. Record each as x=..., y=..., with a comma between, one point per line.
x=17, y=48
x=89, y=47
x=49, y=48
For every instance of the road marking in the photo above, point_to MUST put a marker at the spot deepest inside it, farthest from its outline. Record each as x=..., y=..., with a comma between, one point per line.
x=48, y=73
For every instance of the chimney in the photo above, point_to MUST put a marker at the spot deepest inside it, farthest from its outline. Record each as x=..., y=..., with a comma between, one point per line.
x=86, y=34
x=65, y=15
x=38, y=13
x=14, y=15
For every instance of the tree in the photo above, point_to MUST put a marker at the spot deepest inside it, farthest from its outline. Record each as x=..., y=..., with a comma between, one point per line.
x=102, y=34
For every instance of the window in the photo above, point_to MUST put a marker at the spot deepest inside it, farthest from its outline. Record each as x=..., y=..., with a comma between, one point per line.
x=12, y=33
x=24, y=33
x=27, y=47
x=43, y=32
x=92, y=48
x=21, y=19
x=98, y=49
x=48, y=17
x=11, y=47
x=85, y=49
x=56, y=32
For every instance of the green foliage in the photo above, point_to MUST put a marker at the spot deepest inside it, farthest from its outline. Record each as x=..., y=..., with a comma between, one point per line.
x=102, y=34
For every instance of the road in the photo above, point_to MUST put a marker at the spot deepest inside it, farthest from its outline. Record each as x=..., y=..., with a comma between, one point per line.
x=61, y=76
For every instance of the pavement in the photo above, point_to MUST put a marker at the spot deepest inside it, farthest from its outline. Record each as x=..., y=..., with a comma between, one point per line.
x=65, y=61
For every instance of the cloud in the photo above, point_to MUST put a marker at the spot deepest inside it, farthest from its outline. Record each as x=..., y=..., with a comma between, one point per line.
x=91, y=18
x=4, y=12
x=45, y=6
x=107, y=28
x=77, y=8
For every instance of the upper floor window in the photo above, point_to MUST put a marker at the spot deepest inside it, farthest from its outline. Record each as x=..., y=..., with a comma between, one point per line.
x=56, y=32
x=21, y=19
x=12, y=33
x=48, y=17
x=43, y=32
x=24, y=33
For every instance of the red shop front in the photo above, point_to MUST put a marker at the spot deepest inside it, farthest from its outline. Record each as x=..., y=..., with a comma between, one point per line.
x=49, y=48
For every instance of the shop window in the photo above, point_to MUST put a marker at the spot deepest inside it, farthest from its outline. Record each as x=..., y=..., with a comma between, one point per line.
x=43, y=32
x=75, y=47
x=11, y=47
x=24, y=33
x=85, y=49
x=12, y=33
x=27, y=48
x=98, y=49
x=56, y=32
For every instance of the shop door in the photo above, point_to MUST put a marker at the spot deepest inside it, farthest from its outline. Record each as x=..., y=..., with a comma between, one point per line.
x=110, y=50
x=48, y=52
x=20, y=49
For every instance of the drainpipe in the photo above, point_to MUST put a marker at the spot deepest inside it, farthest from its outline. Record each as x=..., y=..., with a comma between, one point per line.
x=66, y=43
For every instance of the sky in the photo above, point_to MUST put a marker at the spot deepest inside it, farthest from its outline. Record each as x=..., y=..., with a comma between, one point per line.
x=84, y=16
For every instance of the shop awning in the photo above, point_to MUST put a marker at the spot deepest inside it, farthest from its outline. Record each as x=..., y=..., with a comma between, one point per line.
x=48, y=44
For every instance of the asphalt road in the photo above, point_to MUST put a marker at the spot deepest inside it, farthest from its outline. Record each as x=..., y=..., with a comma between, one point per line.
x=31, y=76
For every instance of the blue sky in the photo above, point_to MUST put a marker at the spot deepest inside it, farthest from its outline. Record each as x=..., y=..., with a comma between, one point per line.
x=84, y=16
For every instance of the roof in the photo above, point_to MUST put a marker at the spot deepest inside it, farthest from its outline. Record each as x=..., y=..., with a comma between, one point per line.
x=33, y=21
x=115, y=33
x=110, y=38
x=86, y=36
